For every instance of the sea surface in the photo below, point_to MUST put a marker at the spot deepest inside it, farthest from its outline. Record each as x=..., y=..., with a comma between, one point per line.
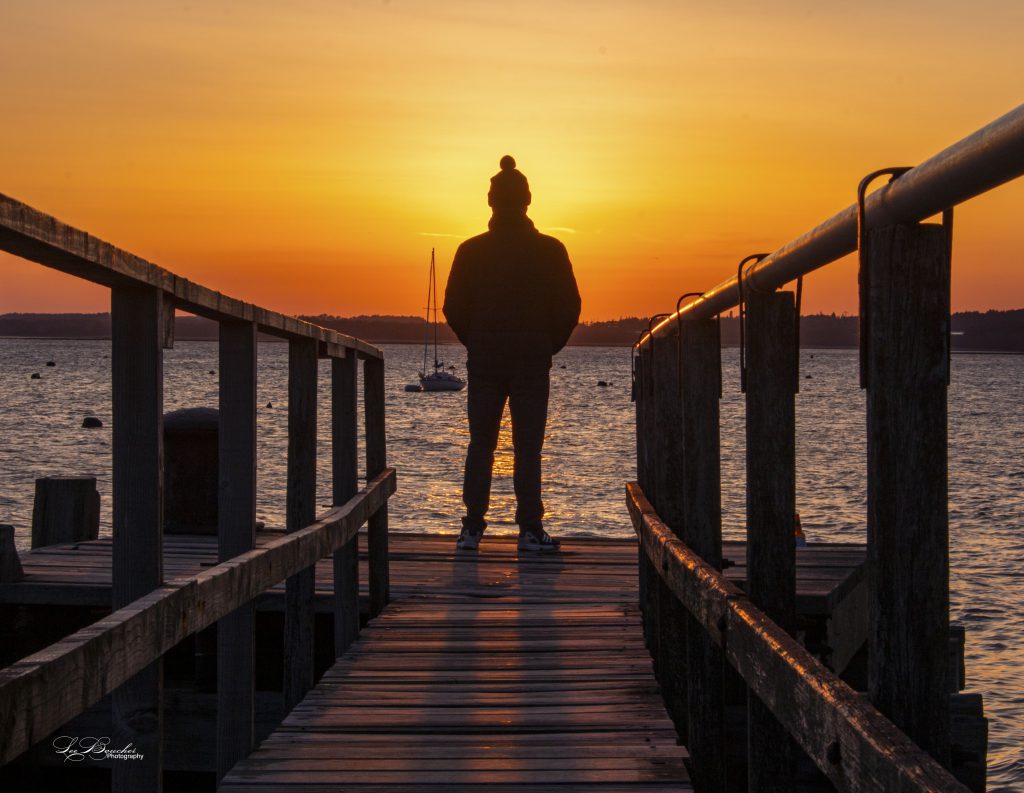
x=589, y=453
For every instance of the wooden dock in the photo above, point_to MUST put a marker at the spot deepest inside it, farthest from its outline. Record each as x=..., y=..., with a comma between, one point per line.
x=78, y=574
x=487, y=669
x=490, y=668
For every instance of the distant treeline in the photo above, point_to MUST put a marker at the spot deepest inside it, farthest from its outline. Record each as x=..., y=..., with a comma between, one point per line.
x=1001, y=331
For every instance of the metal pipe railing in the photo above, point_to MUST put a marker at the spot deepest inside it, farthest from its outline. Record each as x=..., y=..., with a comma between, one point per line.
x=992, y=156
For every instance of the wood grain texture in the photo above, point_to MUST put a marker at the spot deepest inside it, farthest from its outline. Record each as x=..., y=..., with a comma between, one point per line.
x=34, y=235
x=236, y=534
x=700, y=383
x=853, y=744
x=531, y=688
x=771, y=509
x=646, y=407
x=908, y=525
x=643, y=574
x=300, y=512
x=376, y=460
x=344, y=468
x=66, y=509
x=11, y=571
x=46, y=689
x=137, y=393
x=667, y=477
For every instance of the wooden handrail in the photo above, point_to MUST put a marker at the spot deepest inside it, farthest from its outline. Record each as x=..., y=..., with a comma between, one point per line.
x=985, y=159
x=850, y=741
x=44, y=690
x=34, y=235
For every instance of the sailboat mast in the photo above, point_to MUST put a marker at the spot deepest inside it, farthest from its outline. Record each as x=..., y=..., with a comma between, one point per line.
x=433, y=281
x=426, y=337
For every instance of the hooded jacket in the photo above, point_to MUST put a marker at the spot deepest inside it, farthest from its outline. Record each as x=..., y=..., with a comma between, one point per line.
x=511, y=299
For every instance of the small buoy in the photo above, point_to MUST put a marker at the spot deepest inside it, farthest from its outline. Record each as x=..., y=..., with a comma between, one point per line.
x=91, y=423
x=51, y=363
x=563, y=365
x=270, y=404
x=807, y=377
x=212, y=372
x=36, y=376
x=413, y=388
x=602, y=384
x=812, y=354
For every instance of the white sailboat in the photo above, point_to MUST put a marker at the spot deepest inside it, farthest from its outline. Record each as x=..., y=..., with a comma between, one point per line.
x=442, y=378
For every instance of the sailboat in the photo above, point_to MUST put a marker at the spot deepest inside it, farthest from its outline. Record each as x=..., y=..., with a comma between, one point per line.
x=442, y=378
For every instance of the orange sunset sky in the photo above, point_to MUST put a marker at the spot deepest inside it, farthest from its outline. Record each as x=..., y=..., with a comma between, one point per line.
x=307, y=155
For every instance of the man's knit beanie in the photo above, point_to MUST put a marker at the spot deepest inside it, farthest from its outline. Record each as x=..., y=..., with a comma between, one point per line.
x=509, y=187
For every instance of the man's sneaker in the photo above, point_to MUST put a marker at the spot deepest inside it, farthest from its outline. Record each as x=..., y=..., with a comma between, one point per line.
x=538, y=541
x=468, y=540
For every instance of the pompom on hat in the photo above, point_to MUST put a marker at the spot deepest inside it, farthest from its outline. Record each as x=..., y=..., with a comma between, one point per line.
x=509, y=187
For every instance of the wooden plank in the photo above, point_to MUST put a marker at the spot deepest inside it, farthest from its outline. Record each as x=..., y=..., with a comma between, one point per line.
x=137, y=394
x=700, y=390
x=11, y=571
x=849, y=741
x=66, y=509
x=771, y=508
x=376, y=460
x=80, y=574
x=667, y=479
x=236, y=534
x=451, y=691
x=345, y=483
x=300, y=512
x=34, y=235
x=645, y=405
x=908, y=524
x=46, y=689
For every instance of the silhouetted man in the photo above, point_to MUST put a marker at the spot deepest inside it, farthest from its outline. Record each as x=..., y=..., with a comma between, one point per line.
x=512, y=301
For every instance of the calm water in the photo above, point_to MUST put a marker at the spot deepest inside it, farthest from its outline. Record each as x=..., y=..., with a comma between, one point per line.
x=589, y=454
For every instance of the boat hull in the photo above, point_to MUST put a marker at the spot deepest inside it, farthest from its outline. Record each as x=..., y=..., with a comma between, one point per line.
x=442, y=383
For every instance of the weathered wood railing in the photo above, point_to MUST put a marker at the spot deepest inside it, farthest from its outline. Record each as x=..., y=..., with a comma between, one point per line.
x=122, y=654
x=694, y=619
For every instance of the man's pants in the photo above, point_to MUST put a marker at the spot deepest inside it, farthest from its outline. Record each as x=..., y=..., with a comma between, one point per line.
x=528, y=404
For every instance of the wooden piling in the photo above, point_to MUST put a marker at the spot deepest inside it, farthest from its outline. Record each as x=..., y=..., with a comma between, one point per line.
x=643, y=564
x=66, y=509
x=344, y=462
x=700, y=363
x=908, y=531
x=376, y=461
x=236, y=534
x=645, y=401
x=669, y=495
x=136, y=315
x=10, y=565
x=771, y=509
x=301, y=512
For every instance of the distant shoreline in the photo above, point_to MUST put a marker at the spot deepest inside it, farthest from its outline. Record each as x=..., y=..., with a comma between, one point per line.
x=408, y=343
x=993, y=332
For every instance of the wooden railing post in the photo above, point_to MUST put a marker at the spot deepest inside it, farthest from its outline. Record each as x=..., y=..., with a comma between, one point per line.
x=771, y=508
x=376, y=461
x=66, y=509
x=136, y=315
x=646, y=472
x=908, y=529
x=236, y=534
x=344, y=462
x=301, y=512
x=700, y=362
x=643, y=563
x=667, y=479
